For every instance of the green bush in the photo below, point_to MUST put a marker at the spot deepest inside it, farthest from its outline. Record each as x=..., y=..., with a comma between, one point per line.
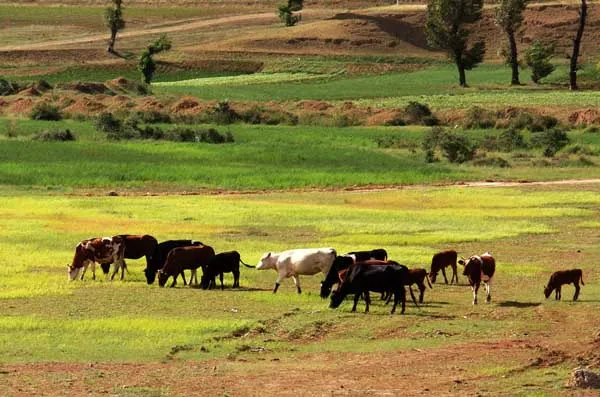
x=456, y=148
x=511, y=139
x=491, y=162
x=224, y=114
x=45, y=111
x=537, y=57
x=416, y=112
x=107, y=122
x=577, y=148
x=258, y=115
x=152, y=116
x=542, y=123
x=397, y=120
x=8, y=87
x=551, y=141
x=55, y=136
x=593, y=129
x=478, y=117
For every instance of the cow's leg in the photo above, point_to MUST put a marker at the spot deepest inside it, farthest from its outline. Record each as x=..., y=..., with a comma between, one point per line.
x=421, y=292
x=412, y=295
x=221, y=278
x=356, y=298
x=280, y=278
x=183, y=277
x=559, y=292
x=174, y=280
x=296, y=279
x=577, y=288
x=93, y=270
x=488, y=290
x=444, y=274
x=193, y=276
x=115, y=271
x=85, y=266
x=454, y=274
x=123, y=267
x=475, y=288
x=402, y=292
x=396, y=297
x=367, y=301
x=236, y=279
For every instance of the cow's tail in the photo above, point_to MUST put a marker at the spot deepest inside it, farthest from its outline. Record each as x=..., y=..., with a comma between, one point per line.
x=247, y=265
x=428, y=282
x=581, y=278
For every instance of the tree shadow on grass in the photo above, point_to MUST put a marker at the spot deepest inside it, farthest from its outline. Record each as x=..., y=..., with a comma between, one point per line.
x=518, y=305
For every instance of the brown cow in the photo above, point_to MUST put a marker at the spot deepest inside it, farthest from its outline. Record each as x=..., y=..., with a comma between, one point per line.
x=182, y=258
x=136, y=246
x=440, y=261
x=101, y=250
x=418, y=276
x=557, y=279
x=480, y=268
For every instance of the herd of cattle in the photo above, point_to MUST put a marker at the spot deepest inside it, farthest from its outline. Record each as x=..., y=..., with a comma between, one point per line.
x=355, y=273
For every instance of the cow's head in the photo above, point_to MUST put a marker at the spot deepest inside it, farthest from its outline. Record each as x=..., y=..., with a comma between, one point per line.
x=206, y=282
x=267, y=261
x=432, y=276
x=336, y=300
x=105, y=267
x=150, y=275
x=162, y=278
x=73, y=272
x=464, y=263
x=325, y=291
x=547, y=291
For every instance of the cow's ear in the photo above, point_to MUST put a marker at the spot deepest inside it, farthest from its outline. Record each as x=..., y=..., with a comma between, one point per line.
x=461, y=261
x=269, y=254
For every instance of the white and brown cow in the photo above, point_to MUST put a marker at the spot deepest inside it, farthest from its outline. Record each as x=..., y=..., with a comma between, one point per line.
x=293, y=263
x=480, y=268
x=98, y=250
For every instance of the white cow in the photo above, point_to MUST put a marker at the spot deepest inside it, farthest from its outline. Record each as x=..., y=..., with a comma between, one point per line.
x=292, y=263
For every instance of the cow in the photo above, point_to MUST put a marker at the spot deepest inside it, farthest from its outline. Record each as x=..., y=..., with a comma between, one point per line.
x=333, y=277
x=101, y=250
x=136, y=246
x=182, y=258
x=480, y=268
x=296, y=262
x=440, y=261
x=363, y=277
x=557, y=279
x=159, y=256
x=379, y=254
x=223, y=262
x=418, y=276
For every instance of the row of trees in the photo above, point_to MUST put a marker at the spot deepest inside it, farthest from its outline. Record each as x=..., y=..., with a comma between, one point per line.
x=448, y=26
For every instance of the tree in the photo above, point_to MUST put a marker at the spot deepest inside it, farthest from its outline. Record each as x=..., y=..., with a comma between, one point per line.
x=577, y=45
x=147, y=65
x=446, y=26
x=286, y=12
x=115, y=22
x=509, y=16
x=538, y=58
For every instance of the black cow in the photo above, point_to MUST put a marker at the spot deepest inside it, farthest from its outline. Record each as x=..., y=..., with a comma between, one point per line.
x=136, y=246
x=557, y=279
x=360, y=256
x=157, y=261
x=339, y=263
x=223, y=262
x=364, y=277
x=440, y=261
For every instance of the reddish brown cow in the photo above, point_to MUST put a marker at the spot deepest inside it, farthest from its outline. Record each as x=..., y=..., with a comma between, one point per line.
x=440, y=261
x=480, y=268
x=183, y=258
x=101, y=250
x=418, y=276
x=557, y=279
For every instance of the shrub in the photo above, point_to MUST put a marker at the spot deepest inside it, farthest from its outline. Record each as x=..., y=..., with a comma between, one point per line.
x=511, y=139
x=152, y=116
x=456, y=148
x=551, y=140
x=106, y=122
x=345, y=120
x=491, y=162
x=258, y=115
x=537, y=57
x=430, y=121
x=416, y=112
x=190, y=135
x=8, y=87
x=55, y=135
x=397, y=120
x=477, y=117
x=224, y=114
x=542, y=123
x=45, y=111
x=580, y=149
x=593, y=129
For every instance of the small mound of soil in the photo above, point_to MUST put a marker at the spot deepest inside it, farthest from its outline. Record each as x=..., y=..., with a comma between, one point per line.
x=150, y=105
x=21, y=105
x=186, y=105
x=121, y=84
x=384, y=117
x=85, y=106
x=119, y=102
x=585, y=117
x=31, y=91
x=86, y=88
x=319, y=106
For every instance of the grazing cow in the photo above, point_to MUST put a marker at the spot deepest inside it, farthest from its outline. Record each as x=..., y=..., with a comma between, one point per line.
x=159, y=256
x=360, y=256
x=418, y=276
x=440, y=261
x=365, y=276
x=333, y=275
x=292, y=263
x=480, y=268
x=101, y=250
x=182, y=258
x=557, y=279
x=223, y=262
x=136, y=246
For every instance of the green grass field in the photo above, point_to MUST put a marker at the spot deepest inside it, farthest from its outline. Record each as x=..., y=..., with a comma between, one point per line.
x=531, y=231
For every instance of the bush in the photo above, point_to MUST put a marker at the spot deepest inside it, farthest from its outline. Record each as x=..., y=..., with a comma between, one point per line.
x=511, y=139
x=456, y=148
x=397, y=120
x=190, y=135
x=537, y=57
x=477, y=117
x=224, y=114
x=491, y=162
x=416, y=112
x=152, y=116
x=551, y=140
x=45, y=111
x=258, y=115
x=106, y=122
x=580, y=149
x=593, y=129
x=542, y=123
x=8, y=87
x=55, y=135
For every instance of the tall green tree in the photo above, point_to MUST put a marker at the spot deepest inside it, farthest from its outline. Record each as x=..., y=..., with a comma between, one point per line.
x=447, y=27
x=147, y=65
x=576, y=46
x=113, y=16
x=509, y=16
x=286, y=12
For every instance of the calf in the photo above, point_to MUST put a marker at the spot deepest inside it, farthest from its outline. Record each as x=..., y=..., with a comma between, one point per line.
x=293, y=263
x=480, y=268
x=440, y=261
x=418, y=276
x=379, y=254
x=136, y=246
x=101, y=250
x=364, y=277
x=182, y=258
x=225, y=262
x=339, y=264
x=557, y=279
x=159, y=256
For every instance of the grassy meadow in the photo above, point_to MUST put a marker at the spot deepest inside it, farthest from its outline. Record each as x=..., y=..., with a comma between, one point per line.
x=532, y=231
